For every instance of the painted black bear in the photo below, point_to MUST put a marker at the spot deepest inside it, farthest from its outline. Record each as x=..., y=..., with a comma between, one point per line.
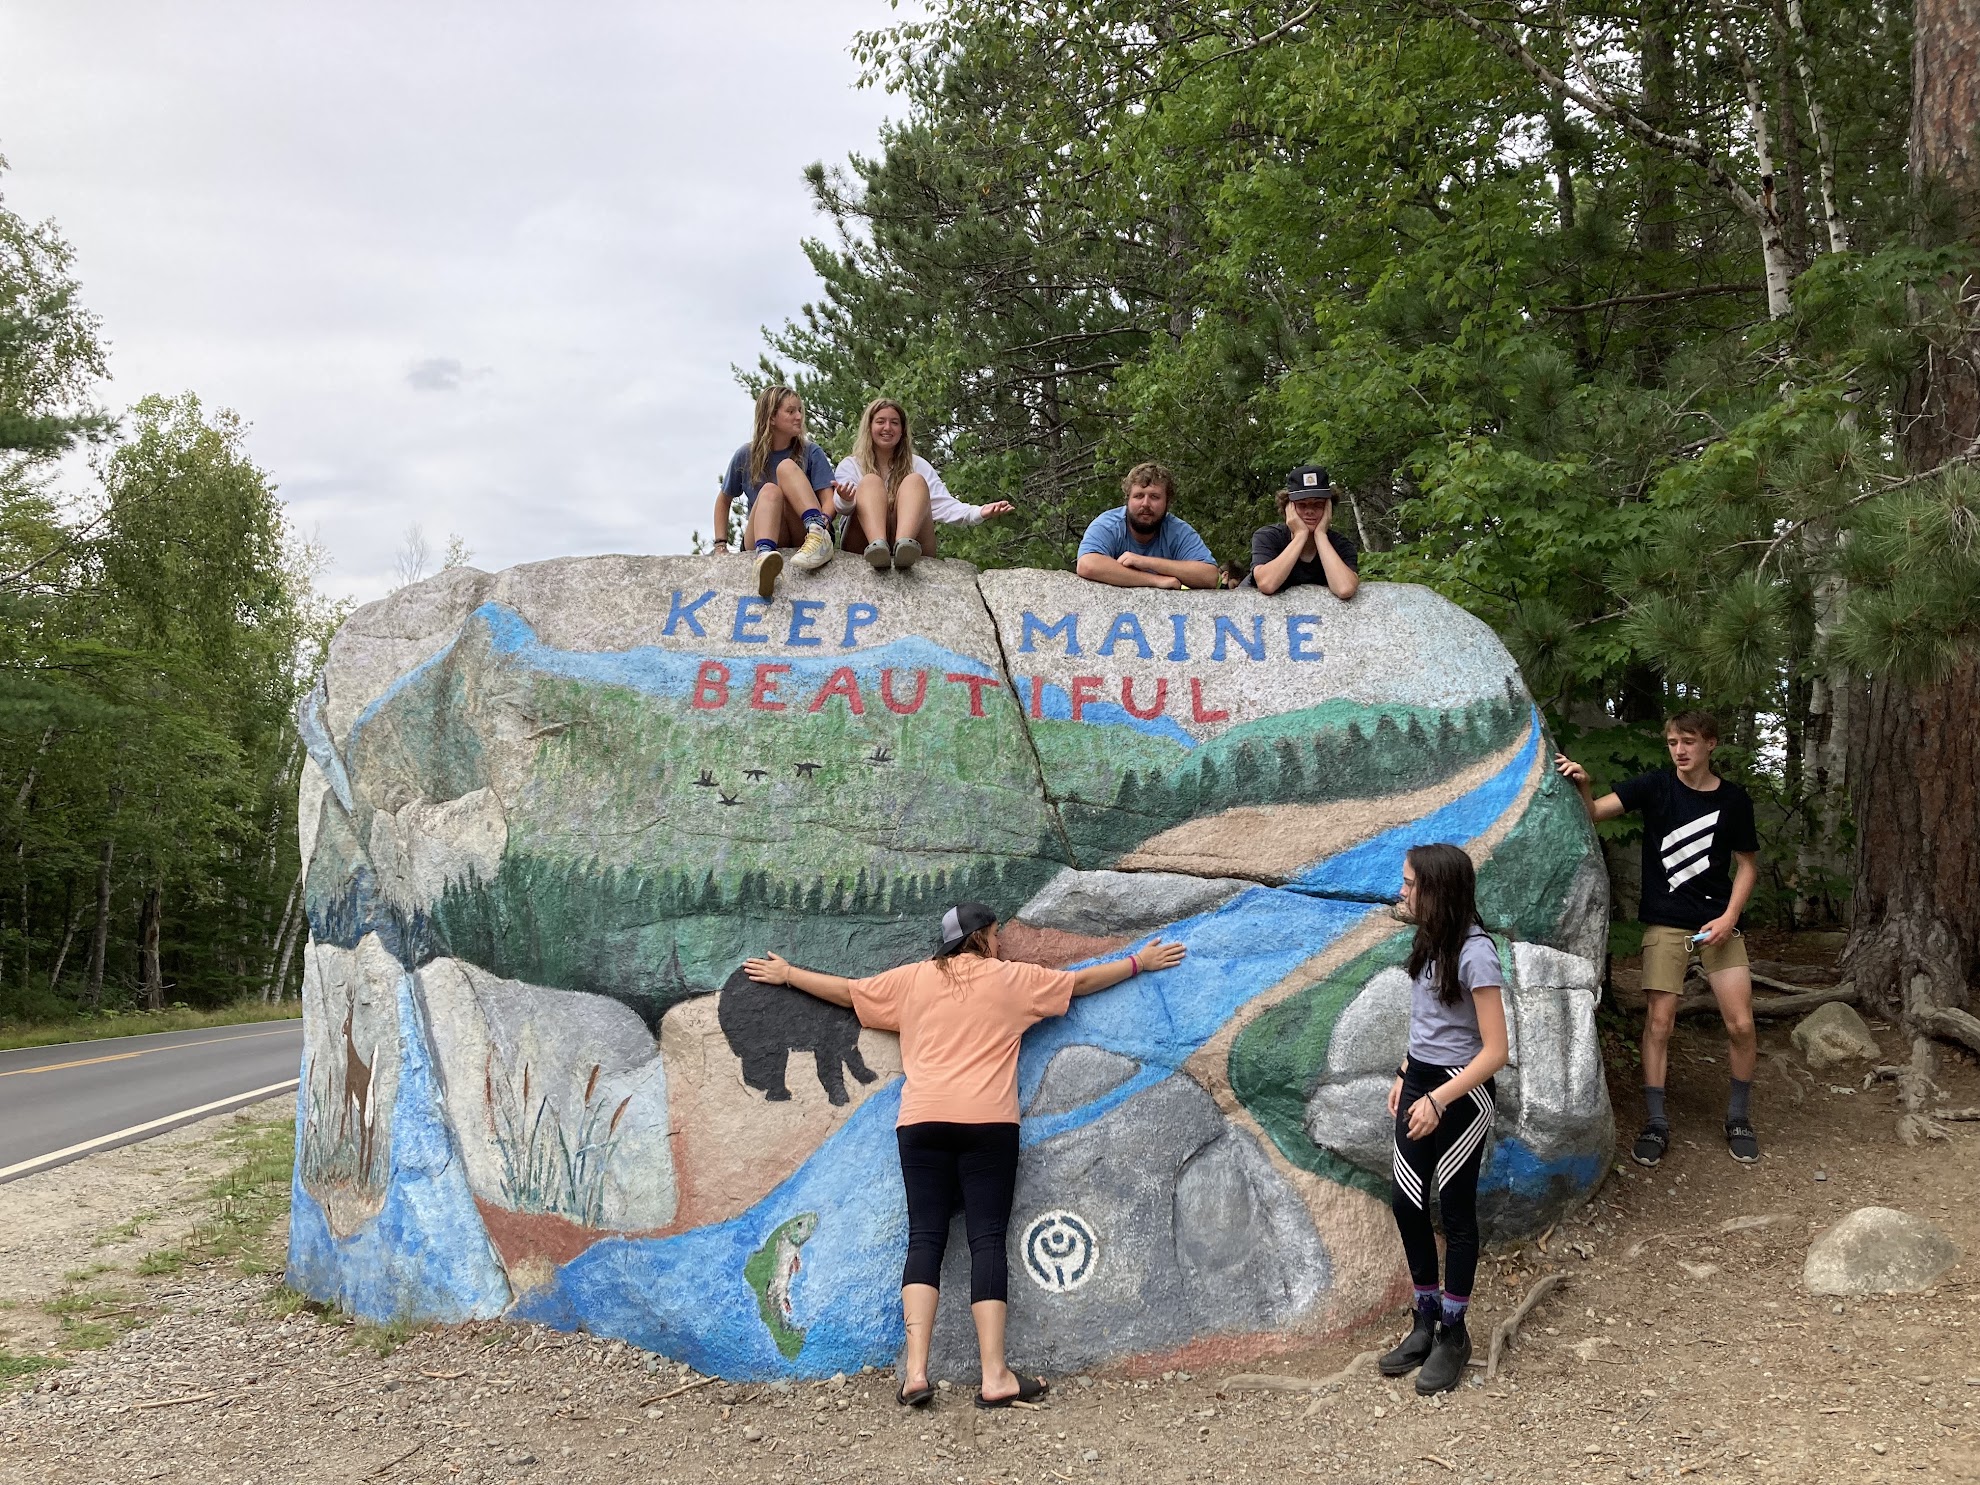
x=764, y=1024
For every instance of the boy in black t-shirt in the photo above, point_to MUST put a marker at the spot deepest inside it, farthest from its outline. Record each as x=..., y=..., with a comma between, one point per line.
x=1700, y=854
x=1304, y=547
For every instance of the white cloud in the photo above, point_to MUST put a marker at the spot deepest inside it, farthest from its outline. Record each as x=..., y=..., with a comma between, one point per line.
x=481, y=266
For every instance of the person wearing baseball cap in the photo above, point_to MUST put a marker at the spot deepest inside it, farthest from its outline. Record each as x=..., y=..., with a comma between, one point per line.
x=1304, y=547
x=961, y=1016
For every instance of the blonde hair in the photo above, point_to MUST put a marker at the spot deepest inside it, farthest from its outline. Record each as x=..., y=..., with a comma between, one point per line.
x=768, y=402
x=862, y=449
x=1151, y=474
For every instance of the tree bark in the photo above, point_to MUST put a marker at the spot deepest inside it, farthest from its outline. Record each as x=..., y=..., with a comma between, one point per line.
x=154, y=978
x=71, y=917
x=99, y=943
x=278, y=964
x=1818, y=122
x=1915, y=770
x=1915, y=918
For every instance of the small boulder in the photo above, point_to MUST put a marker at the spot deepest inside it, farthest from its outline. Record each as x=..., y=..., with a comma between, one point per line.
x=1878, y=1250
x=1833, y=1034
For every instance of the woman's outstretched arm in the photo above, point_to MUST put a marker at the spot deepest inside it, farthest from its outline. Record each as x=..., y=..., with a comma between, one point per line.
x=774, y=969
x=1157, y=955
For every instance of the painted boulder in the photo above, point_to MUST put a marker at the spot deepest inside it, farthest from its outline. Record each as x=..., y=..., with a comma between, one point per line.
x=548, y=813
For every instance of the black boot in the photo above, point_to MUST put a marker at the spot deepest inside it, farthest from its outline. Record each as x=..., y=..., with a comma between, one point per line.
x=1407, y=1357
x=1445, y=1368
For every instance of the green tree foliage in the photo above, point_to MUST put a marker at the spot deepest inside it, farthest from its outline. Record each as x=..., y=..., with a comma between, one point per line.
x=1601, y=315
x=153, y=635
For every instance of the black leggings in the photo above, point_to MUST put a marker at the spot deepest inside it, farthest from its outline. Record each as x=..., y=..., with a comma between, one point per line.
x=1447, y=1162
x=973, y=1166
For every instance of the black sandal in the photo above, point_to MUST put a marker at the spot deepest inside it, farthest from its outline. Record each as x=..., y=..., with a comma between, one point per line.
x=1030, y=1389
x=921, y=1397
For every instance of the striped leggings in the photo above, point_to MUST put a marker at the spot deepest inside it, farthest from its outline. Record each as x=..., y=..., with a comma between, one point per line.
x=1446, y=1162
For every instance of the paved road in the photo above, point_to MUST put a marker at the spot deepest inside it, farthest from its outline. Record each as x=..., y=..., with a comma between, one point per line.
x=60, y=1103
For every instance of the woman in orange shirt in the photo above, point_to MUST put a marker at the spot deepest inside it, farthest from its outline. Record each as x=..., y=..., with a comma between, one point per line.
x=960, y=1017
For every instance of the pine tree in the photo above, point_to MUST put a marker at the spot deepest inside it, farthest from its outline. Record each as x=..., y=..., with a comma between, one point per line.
x=1292, y=776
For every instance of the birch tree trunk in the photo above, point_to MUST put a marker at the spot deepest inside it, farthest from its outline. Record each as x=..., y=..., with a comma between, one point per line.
x=1818, y=124
x=99, y=943
x=278, y=963
x=72, y=917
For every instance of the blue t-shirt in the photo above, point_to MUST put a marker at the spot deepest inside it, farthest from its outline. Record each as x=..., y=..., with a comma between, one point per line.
x=1175, y=541
x=1447, y=1035
x=817, y=468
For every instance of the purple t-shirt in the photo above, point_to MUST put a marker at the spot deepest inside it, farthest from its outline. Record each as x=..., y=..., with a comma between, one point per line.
x=1447, y=1035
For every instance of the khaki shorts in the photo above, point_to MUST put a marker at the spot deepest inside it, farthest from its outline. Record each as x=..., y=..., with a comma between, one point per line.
x=1667, y=952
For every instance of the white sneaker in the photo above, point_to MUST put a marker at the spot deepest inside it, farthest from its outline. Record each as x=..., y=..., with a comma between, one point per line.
x=907, y=552
x=816, y=551
x=768, y=566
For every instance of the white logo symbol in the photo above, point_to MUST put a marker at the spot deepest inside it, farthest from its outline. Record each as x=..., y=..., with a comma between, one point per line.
x=1313, y=479
x=1059, y=1250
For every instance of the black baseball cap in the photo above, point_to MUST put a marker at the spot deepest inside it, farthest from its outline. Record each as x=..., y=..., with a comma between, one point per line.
x=959, y=922
x=1309, y=482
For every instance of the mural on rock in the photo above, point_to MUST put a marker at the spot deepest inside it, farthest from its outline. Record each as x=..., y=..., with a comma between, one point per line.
x=549, y=812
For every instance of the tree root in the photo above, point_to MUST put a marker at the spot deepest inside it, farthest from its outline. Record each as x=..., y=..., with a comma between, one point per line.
x=1268, y=1382
x=1956, y=1116
x=1773, y=1007
x=1915, y=1090
x=1791, y=1075
x=1508, y=1328
x=1950, y=1025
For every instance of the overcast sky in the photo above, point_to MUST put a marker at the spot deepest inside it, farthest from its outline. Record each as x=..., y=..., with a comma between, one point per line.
x=484, y=267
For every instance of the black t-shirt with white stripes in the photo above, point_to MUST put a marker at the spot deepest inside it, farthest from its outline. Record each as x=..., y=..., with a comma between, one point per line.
x=1689, y=837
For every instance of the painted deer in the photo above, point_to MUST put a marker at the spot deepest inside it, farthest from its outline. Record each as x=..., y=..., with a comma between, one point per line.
x=357, y=1091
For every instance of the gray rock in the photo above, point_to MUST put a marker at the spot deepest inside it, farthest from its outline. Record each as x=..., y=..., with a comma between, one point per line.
x=1351, y=1118
x=1108, y=904
x=1076, y=1076
x=1833, y=1034
x=1394, y=642
x=1235, y=1232
x=1373, y=1031
x=590, y=1063
x=1178, y=1226
x=1879, y=1250
x=546, y=812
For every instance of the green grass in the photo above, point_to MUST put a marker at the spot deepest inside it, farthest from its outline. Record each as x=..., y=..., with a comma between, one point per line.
x=16, y=1368
x=246, y=1204
x=380, y=1340
x=93, y=1318
x=85, y=1028
x=124, y=1231
x=241, y=1209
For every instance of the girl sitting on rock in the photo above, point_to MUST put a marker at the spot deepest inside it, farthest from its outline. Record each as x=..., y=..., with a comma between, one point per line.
x=960, y=1017
x=895, y=495
x=1442, y=1104
x=780, y=476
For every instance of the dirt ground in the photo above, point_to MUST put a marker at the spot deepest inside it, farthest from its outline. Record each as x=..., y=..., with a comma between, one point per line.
x=1682, y=1345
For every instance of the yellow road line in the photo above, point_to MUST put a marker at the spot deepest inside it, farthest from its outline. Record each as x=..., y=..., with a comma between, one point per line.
x=58, y=1066
x=24, y=1166
x=144, y=1052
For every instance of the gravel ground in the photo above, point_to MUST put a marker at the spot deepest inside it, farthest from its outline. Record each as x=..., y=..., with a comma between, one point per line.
x=1681, y=1346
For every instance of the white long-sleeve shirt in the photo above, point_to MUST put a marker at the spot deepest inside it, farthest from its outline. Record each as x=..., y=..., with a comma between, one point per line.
x=943, y=506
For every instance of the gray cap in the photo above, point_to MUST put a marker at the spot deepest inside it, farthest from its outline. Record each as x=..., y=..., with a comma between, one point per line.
x=959, y=922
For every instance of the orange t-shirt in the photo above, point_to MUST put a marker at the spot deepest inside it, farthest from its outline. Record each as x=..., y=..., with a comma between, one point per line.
x=960, y=1034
